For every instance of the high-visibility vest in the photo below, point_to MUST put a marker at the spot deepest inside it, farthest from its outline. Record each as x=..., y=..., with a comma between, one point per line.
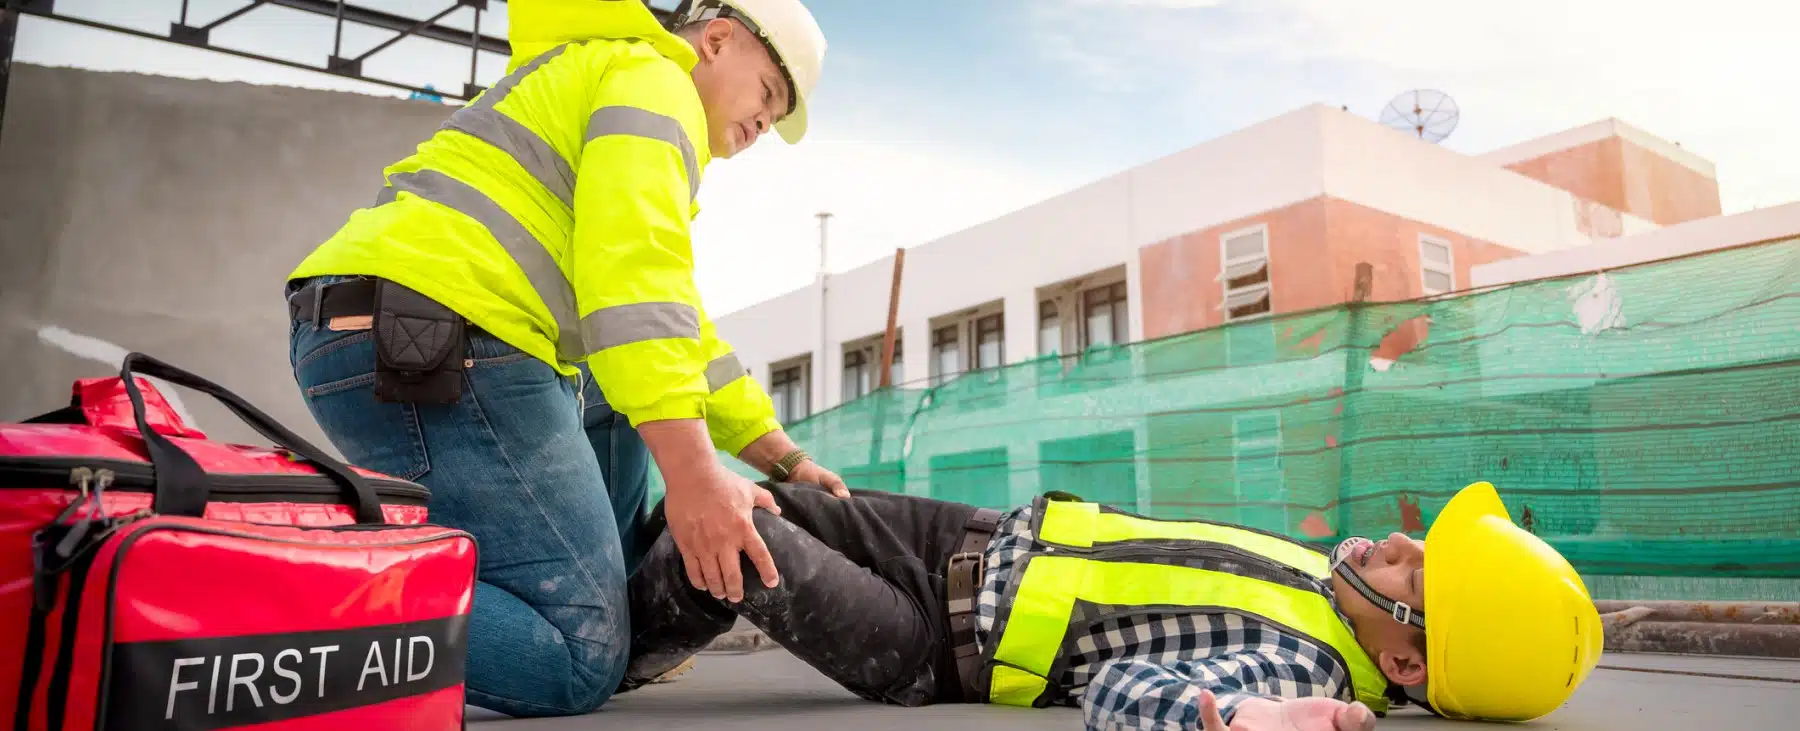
x=1089, y=556
x=554, y=211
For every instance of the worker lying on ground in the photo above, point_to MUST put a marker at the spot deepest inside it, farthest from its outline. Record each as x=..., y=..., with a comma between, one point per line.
x=1144, y=623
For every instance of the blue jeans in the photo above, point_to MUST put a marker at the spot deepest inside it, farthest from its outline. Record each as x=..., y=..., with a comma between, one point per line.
x=553, y=486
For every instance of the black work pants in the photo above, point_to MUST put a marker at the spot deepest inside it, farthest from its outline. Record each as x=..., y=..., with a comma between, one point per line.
x=861, y=596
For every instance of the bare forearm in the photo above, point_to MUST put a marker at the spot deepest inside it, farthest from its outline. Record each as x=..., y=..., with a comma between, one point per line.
x=768, y=449
x=682, y=449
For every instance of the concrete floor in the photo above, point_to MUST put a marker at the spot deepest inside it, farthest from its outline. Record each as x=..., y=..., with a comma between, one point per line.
x=769, y=690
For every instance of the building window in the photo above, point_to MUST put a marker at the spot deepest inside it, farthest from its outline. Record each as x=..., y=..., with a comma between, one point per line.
x=1244, y=273
x=788, y=389
x=861, y=360
x=1049, y=329
x=894, y=369
x=946, y=353
x=1437, y=269
x=856, y=375
x=990, y=345
x=1108, y=319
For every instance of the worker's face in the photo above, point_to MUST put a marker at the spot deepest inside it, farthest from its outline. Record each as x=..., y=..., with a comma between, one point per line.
x=1395, y=568
x=740, y=85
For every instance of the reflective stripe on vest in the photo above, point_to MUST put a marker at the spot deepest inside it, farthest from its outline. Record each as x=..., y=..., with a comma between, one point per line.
x=609, y=327
x=1094, y=561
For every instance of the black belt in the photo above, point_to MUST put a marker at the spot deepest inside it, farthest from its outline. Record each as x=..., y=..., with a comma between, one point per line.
x=963, y=578
x=320, y=302
x=419, y=343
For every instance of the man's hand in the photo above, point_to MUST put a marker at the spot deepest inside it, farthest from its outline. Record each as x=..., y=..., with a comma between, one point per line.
x=768, y=449
x=1296, y=714
x=815, y=473
x=708, y=509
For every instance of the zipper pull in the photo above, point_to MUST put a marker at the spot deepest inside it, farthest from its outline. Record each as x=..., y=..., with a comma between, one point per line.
x=103, y=478
x=44, y=577
x=72, y=541
x=80, y=477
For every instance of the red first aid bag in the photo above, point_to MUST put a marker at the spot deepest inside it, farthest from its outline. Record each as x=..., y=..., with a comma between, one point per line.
x=153, y=579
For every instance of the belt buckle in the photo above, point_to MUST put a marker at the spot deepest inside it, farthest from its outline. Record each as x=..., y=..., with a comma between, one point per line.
x=962, y=558
x=318, y=301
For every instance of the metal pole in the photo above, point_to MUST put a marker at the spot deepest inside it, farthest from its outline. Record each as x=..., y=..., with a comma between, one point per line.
x=9, y=31
x=824, y=299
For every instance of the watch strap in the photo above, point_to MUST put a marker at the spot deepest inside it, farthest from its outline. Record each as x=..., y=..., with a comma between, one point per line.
x=784, y=467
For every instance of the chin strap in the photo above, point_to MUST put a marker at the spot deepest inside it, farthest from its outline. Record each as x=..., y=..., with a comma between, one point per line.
x=1400, y=611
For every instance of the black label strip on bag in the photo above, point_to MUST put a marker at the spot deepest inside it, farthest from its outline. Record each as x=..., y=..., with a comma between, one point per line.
x=203, y=684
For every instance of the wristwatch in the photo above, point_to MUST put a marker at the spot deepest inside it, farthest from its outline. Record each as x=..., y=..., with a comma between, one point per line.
x=784, y=467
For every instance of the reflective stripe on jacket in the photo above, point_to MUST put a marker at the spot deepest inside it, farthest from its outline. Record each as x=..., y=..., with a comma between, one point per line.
x=554, y=212
x=1090, y=563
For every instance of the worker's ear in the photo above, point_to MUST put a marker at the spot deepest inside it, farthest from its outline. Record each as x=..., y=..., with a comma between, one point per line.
x=1404, y=665
x=713, y=38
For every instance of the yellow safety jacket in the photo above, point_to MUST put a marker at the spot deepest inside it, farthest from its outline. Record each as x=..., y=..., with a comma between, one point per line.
x=554, y=211
x=1091, y=563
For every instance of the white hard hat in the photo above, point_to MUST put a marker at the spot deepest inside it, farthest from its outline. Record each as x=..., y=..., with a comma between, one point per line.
x=791, y=33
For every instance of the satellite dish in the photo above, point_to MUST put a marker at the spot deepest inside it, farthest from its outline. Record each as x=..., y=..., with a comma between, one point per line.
x=1428, y=113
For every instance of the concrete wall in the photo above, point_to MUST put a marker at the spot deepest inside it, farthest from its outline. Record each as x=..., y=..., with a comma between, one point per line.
x=1621, y=166
x=161, y=215
x=1394, y=172
x=1693, y=237
x=1314, y=247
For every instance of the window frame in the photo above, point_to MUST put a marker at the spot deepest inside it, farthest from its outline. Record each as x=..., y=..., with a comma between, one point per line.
x=994, y=324
x=1447, y=268
x=938, y=341
x=791, y=374
x=868, y=350
x=1267, y=284
x=1115, y=297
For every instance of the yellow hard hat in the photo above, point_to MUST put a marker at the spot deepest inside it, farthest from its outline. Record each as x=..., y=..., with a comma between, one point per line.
x=1510, y=629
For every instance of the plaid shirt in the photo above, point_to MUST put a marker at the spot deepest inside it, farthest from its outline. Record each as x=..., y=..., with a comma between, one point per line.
x=1147, y=671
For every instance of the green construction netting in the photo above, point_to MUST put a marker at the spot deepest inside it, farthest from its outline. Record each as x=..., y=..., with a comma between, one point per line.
x=1644, y=421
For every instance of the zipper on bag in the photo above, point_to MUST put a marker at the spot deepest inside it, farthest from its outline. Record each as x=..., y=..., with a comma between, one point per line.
x=135, y=477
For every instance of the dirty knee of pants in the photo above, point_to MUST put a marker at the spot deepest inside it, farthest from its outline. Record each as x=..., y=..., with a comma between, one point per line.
x=670, y=619
x=854, y=625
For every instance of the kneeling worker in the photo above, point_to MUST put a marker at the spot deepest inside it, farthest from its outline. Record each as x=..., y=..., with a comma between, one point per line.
x=1147, y=623
x=513, y=323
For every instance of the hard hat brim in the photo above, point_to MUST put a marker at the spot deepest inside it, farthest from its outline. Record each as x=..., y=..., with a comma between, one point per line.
x=792, y=128
x=1446, y=543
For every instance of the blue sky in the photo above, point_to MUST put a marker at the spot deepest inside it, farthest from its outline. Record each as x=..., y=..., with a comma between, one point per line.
x=935, y=115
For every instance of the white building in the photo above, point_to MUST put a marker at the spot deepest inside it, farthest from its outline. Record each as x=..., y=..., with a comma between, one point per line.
x=1269, y=219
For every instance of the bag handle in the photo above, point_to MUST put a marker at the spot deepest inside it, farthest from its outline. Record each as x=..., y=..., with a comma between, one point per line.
x=182, y=487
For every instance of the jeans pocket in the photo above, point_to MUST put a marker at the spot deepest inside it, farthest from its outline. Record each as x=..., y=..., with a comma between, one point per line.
x=336, y=374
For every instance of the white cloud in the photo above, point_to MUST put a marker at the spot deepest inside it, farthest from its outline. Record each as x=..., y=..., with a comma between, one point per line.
x=1713, y=76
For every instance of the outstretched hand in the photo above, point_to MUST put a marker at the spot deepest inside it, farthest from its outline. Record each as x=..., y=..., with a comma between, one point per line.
x=1295, y=714
x=815, y=473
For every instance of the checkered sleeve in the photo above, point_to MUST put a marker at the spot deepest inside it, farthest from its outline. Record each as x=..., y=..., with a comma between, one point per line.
x=1137, y=694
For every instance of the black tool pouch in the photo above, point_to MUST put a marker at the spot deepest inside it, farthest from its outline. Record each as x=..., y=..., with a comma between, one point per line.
x=419, y=348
